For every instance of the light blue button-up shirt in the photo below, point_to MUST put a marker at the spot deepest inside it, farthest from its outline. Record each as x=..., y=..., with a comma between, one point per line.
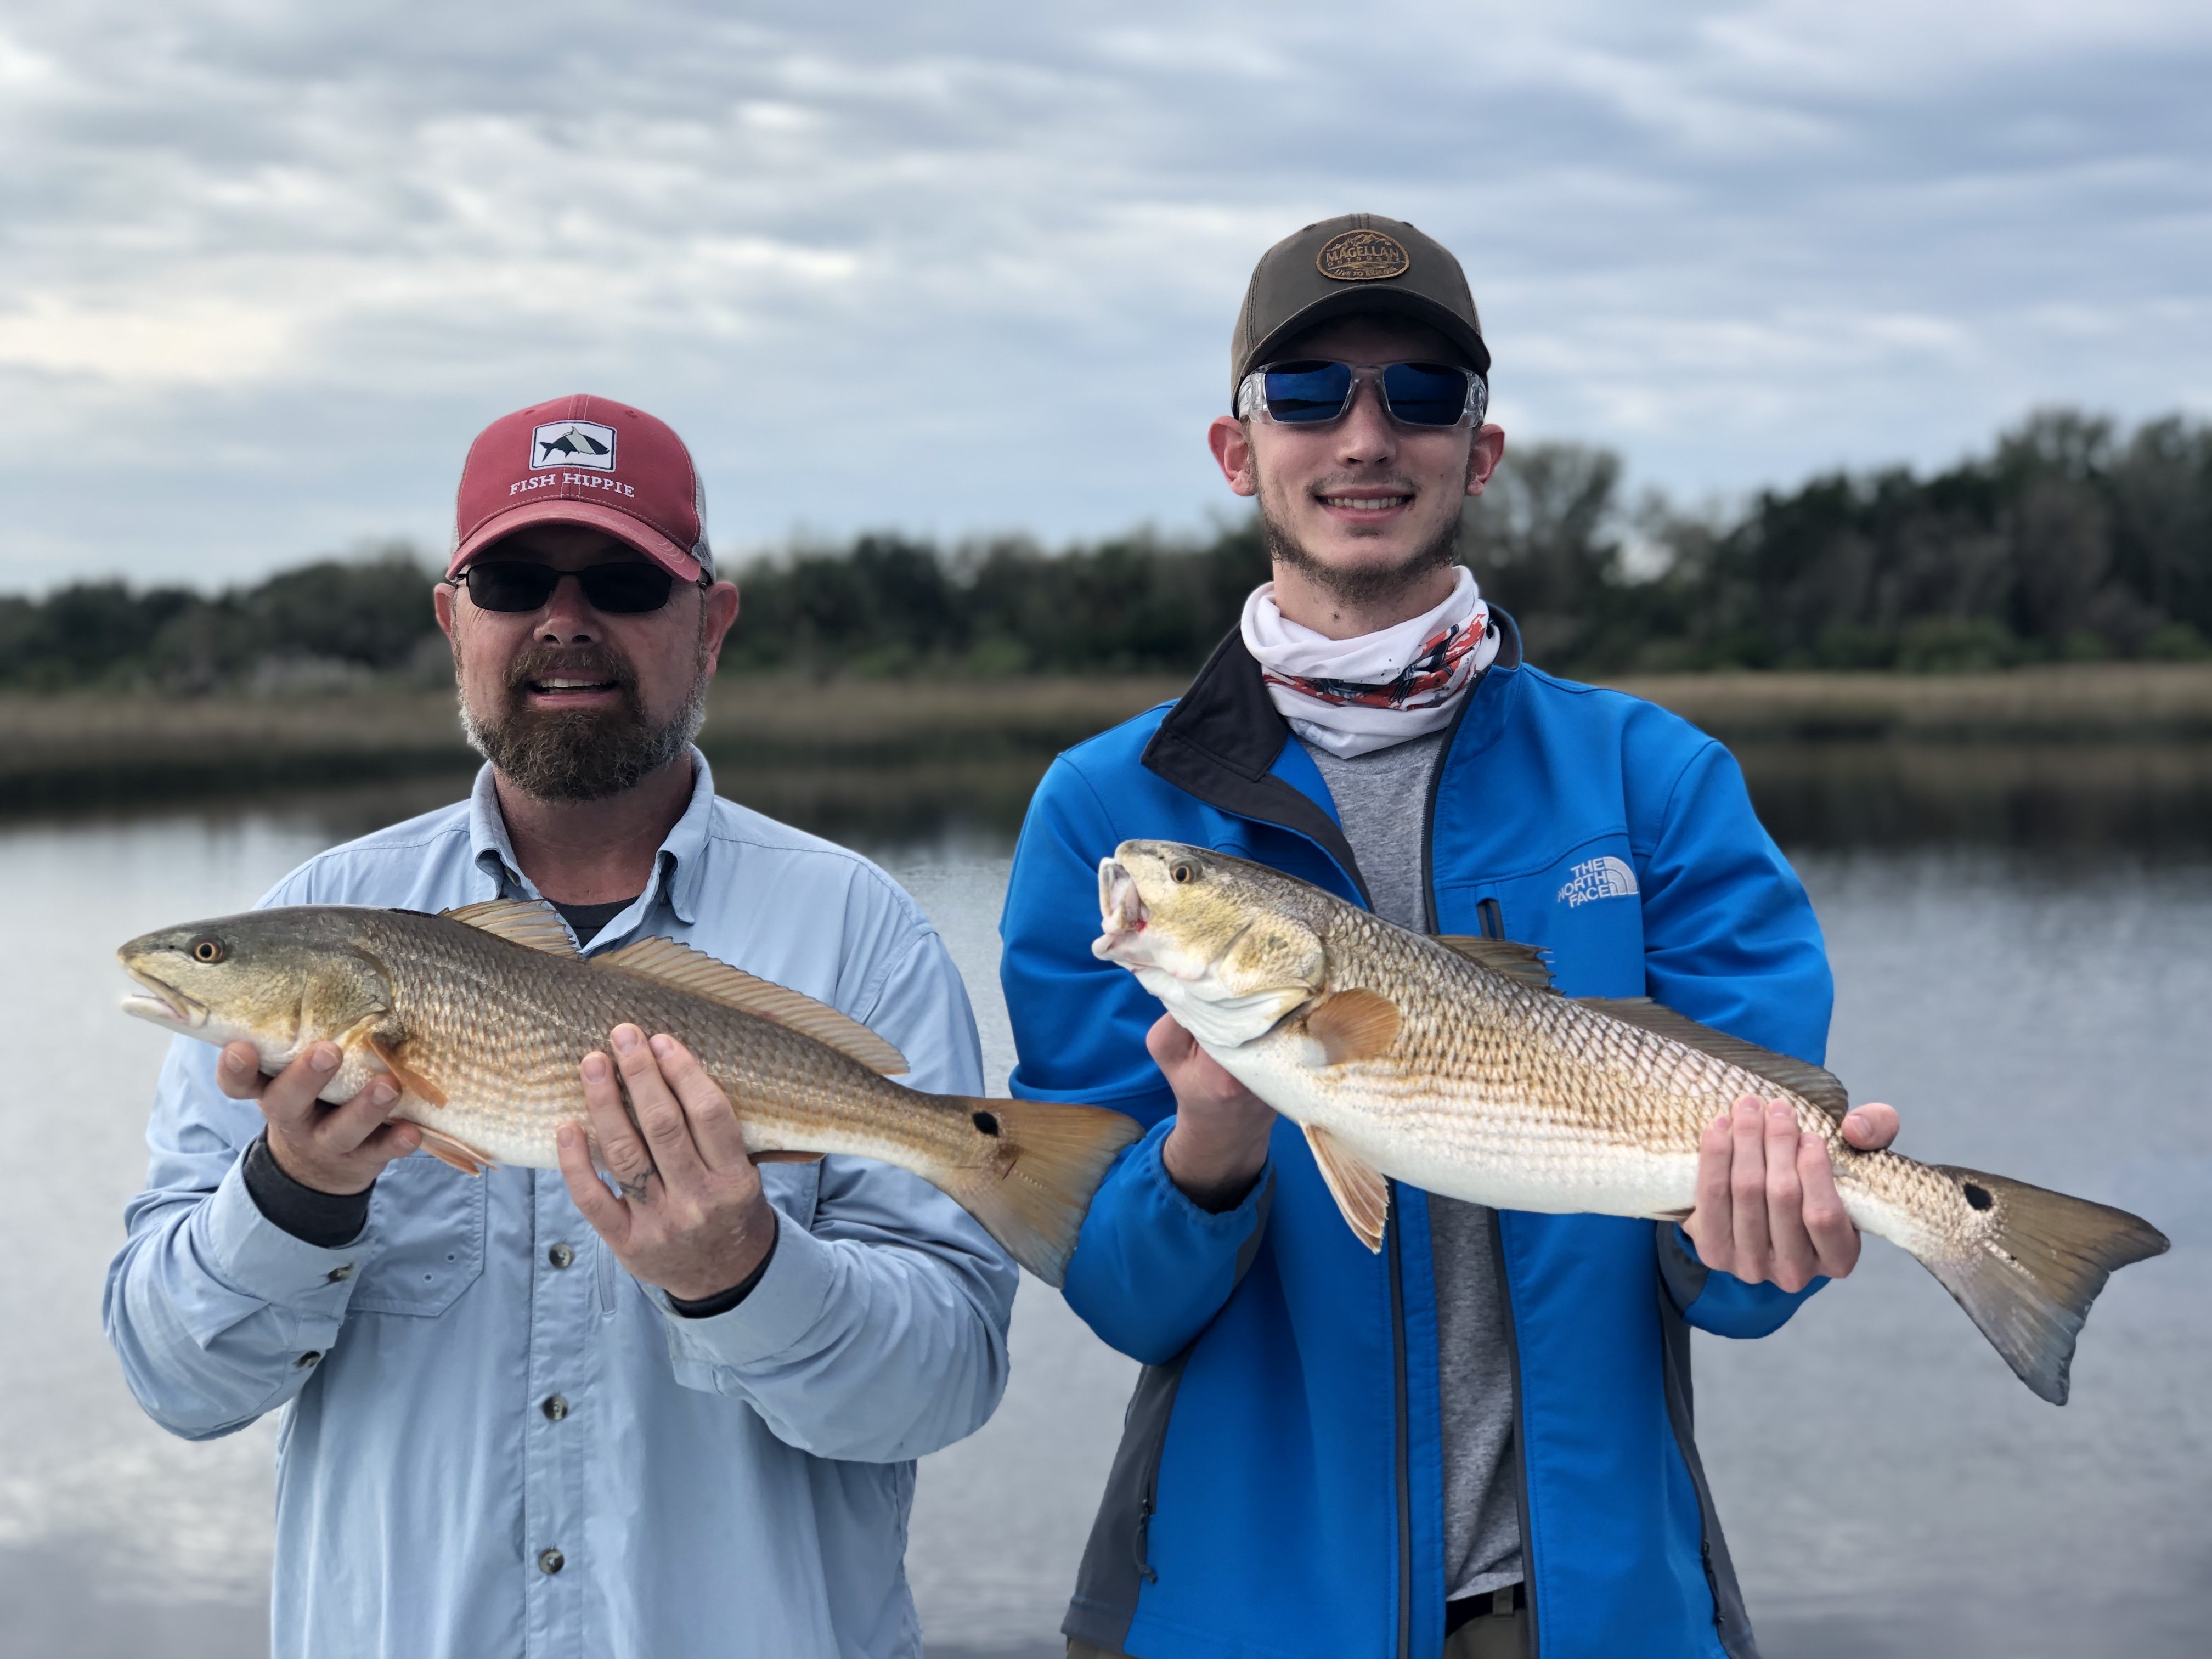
x=737, y=1485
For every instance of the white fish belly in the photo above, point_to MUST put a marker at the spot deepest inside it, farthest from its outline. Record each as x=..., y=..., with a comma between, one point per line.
x=1508, y=1157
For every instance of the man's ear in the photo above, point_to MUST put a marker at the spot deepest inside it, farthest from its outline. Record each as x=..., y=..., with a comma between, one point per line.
x=1483, y=456
x=1232, y=453
x=720, y=603
x=441, y=602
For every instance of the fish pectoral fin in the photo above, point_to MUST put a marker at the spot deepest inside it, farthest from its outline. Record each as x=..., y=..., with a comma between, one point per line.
x=667, y=963
x=786, y=1158
x=458, y=1154
x=532, y=923
x=1824, y=1089
x=1358, y=1188
x=1524, y=964
x=1355, y=1025
x=391, y=1052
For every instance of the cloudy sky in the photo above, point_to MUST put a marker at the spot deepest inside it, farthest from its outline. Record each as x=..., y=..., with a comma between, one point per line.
x=264, y=268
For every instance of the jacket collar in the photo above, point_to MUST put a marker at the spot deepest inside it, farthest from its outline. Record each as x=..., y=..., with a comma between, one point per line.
x=1223, y=738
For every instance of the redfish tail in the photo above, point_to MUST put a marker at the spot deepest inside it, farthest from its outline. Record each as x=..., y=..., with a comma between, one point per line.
x=1032, y=1199
x=2028, y=1284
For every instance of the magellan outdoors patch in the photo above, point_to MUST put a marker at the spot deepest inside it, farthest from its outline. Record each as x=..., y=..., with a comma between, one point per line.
x=1362, y=256
x=573, y=443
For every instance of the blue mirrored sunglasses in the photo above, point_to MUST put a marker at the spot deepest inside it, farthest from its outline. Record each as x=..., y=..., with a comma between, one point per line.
x=1313, y=393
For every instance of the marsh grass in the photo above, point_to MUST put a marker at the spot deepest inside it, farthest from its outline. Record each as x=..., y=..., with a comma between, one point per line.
x=78, y=750
x=2103, y=753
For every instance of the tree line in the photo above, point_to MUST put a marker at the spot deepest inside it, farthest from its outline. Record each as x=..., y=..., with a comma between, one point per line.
x=2068, y=540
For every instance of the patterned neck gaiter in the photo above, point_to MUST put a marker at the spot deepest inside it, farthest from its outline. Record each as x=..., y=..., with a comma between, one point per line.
x=1354, y=696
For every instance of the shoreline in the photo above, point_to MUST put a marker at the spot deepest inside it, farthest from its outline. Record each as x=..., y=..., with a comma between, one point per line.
x=76, y=753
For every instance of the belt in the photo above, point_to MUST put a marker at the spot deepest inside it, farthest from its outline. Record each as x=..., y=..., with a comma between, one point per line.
x=1500, y=1603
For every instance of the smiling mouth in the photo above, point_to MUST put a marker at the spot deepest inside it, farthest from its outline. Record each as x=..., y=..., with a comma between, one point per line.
x=1365, y=503
x=562, y=685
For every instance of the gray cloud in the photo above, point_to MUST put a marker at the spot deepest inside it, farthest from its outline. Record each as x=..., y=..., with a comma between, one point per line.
x=266, y=269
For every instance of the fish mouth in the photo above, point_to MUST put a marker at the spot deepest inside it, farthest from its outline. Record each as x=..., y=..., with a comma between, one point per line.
x=162, y=1003
x=1122, y=915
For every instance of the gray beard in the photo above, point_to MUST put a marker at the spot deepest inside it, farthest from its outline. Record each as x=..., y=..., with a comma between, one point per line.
x=583, y=754
x=1356, y=586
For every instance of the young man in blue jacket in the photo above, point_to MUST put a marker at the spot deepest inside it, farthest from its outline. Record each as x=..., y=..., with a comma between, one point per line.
x=1478, y=1441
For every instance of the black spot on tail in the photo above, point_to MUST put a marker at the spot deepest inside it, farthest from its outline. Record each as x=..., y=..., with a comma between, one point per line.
x=1978, y=1196
x=989, y=1125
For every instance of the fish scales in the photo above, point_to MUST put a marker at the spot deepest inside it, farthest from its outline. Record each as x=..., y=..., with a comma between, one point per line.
x=1456, y=1067
x=504, y=1033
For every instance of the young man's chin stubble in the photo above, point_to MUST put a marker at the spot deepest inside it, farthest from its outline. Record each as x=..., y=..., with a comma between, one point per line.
x=1368, y=583
x=581, y=754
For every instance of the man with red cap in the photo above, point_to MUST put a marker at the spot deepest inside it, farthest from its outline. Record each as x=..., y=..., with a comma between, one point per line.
x=522, y=1413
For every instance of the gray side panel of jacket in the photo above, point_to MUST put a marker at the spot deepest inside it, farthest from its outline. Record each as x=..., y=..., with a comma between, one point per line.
x=1116, y=1564
x=1685, y=1278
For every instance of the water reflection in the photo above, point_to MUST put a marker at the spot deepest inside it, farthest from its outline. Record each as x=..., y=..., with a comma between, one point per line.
x=1889, y=1488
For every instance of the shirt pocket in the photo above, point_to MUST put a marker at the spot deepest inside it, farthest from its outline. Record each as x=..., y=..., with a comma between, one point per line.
x=427, y=1222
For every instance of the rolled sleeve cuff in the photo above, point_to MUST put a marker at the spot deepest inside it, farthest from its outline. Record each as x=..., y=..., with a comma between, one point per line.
x=253, y=1257
x=775, y=1314
x=1148, y=1168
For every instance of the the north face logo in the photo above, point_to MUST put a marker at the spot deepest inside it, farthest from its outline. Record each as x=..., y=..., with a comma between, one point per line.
x=1605, y=877
x=572, y=443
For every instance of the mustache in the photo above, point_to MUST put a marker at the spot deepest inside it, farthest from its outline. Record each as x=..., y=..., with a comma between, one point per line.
x=576, y=662
x=1355, y=484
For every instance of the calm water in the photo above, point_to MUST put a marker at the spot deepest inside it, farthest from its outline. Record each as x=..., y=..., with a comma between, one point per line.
x=1888, y=1488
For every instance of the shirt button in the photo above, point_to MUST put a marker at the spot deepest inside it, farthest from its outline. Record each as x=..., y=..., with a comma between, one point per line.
x=555, y=1408
x=560, y=1256
x=339, y=1274
x=308, y=1359
x=550, y=1562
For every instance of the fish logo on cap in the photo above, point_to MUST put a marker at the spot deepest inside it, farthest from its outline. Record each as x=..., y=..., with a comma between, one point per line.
x=1362, y=256
x=572, y=443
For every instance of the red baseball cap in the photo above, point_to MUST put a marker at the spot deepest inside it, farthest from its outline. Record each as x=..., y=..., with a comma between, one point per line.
x=584, y=461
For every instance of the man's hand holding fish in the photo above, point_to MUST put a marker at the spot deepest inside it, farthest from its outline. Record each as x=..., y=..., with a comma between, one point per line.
x=692, y=1215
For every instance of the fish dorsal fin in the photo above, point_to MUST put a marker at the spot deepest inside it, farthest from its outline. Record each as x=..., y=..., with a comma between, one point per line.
x=687, y=969
x=1523, y=964
x=1823, y=1088
x=1357, y=1186
x=532, y=923
x=1355, y=1025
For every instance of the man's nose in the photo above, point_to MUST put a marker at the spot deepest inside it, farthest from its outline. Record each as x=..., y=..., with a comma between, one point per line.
x=1366, y=433
x=566, y=620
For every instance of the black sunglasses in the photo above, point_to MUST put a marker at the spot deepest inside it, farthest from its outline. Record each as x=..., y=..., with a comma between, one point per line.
x=626, y=589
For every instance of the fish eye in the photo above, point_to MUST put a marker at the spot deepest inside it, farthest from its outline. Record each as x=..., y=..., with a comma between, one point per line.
x=207, y=948
x=1182, y=872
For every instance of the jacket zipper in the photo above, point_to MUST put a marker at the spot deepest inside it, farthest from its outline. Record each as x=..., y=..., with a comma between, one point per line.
x=1403, y=1456
x=1520, y=1435
x=1397, y=1280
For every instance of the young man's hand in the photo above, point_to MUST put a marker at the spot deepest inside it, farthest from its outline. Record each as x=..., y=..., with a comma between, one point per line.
x=691, y=1216
x=1767, y=1210
x=1220, y=1143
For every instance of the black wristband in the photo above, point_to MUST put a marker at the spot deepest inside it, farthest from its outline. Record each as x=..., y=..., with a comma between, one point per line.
x=722, y=1302
x=327, y=1220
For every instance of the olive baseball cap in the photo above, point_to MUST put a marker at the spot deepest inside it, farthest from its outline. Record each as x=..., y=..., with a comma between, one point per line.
x=1358, y=262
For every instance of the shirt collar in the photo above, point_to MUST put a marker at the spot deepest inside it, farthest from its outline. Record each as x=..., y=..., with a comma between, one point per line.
x=677, y=869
